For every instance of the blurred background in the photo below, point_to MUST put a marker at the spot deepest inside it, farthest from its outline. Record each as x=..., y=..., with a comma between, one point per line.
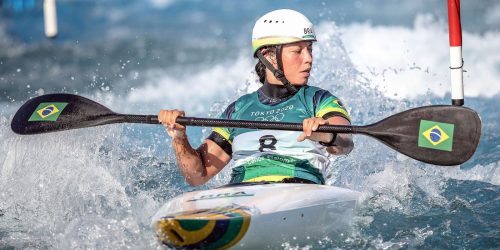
x=99, y=187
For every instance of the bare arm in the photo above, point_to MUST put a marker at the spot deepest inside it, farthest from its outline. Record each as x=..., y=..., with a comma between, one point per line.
x=343, y=142
x=196, y=165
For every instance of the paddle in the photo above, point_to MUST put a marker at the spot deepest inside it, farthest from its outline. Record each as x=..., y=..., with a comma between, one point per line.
x=440, y=135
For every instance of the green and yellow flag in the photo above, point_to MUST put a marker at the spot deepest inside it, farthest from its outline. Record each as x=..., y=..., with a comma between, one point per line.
x=47, y=111
x=436, y=135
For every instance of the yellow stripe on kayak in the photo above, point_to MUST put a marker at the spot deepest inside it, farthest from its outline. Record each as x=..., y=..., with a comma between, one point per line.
x=268, y=178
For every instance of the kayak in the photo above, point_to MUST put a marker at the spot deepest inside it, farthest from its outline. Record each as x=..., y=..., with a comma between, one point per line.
x=254, y=215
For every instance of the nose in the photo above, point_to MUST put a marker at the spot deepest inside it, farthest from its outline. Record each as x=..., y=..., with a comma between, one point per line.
x=307, y=55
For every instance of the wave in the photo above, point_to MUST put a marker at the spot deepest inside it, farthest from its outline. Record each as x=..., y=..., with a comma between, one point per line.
x=98, y=187
x=410, y=62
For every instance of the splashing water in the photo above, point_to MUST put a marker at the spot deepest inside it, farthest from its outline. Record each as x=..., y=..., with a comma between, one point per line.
x=98, y=188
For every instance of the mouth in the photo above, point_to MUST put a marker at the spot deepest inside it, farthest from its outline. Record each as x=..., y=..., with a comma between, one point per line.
x=306, y=72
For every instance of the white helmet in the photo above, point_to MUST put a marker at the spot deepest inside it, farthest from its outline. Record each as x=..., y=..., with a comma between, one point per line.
x=281, y=27
x=277, y=28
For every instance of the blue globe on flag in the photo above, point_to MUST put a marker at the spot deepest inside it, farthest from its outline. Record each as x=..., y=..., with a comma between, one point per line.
x=435, y=135
x=47, y=111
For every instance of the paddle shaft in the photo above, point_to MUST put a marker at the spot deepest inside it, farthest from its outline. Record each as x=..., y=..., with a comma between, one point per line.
x=208, y=122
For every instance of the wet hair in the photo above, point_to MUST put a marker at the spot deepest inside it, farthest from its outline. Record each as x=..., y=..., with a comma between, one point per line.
x=260, y=68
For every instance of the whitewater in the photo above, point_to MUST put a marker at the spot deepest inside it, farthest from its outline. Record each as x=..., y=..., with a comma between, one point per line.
x=98, y=188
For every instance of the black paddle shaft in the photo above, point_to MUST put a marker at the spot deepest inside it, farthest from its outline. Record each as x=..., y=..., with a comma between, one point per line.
x=207, y=122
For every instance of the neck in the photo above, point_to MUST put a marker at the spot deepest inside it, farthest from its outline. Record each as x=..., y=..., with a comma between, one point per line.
x=274, y=82
x=271, y=79
x=274, y=90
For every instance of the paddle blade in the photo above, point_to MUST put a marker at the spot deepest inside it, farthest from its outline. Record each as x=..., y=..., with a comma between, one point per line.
x=56, y=112
x=440, y=135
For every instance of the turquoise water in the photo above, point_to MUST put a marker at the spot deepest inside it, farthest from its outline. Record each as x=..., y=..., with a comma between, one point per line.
x=97, y=188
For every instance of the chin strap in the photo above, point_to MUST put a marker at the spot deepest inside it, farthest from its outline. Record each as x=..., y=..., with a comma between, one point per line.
x=278, y=73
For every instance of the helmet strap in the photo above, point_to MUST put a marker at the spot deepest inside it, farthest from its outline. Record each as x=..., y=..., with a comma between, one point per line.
x=278, y=73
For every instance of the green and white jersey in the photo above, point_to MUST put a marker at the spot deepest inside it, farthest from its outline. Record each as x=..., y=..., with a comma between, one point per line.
x=271, y=155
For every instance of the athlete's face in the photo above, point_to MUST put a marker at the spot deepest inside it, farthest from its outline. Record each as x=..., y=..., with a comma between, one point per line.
x=297, y=62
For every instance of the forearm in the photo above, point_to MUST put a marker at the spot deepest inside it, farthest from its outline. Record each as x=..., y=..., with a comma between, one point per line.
x=343, y=142
x=343, y=145
x=189, y=161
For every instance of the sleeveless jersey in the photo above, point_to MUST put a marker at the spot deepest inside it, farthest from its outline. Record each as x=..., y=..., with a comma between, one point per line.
x=272, y=155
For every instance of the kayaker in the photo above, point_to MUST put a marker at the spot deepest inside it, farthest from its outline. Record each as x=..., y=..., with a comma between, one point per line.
x=282, y=40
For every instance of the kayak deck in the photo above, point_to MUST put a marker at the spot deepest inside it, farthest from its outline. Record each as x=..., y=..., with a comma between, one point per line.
x=251, y=216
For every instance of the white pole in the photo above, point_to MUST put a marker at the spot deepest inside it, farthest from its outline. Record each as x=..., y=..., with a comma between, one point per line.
x=50, y=18
x=456, y=61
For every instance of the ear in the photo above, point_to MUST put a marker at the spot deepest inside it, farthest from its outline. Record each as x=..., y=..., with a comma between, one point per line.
x=270, y=55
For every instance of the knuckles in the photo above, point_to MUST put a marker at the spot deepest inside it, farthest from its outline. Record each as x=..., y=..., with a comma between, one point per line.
x=168, y=117
x=312, y=124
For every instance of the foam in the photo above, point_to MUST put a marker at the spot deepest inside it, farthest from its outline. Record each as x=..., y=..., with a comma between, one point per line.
x=193, y=92
x=408, y=62
x=62, y=184
x=489, y=173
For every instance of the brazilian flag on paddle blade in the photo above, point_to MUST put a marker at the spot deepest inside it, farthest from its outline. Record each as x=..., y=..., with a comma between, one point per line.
x=436, y=135
x=47, y=111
